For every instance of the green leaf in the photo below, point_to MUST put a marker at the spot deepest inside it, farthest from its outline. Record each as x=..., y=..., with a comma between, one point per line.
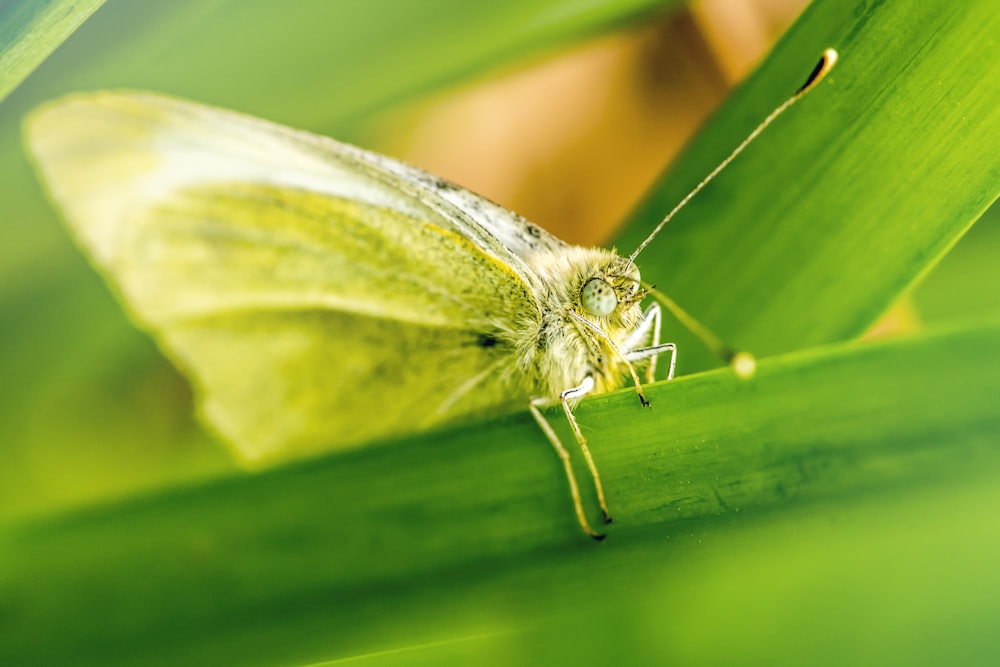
x=851, y=196
x=31, y=29
x=469, y=532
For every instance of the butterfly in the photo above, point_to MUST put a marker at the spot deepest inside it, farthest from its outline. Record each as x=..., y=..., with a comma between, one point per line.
x=322, y=297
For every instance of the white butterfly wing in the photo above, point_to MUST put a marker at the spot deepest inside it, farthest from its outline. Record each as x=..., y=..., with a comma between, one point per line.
x=521, y=237
x=319, y=296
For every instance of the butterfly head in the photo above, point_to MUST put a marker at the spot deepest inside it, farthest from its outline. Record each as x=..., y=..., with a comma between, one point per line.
x=617, y=288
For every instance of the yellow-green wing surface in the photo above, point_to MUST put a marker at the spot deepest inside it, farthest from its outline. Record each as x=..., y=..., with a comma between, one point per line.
x=315, y=304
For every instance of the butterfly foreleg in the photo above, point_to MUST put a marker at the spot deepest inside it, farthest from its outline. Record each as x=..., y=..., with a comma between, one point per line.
x=565, y=397
x=651, y=322
x=653, y=352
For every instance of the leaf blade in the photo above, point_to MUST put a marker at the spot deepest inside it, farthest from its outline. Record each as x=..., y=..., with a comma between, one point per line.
x=31, y=30
x=852, y=196
x=327, y=544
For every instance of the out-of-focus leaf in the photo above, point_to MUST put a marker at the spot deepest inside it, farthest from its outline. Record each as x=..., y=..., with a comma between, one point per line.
x=32, y=29
x=470, y=531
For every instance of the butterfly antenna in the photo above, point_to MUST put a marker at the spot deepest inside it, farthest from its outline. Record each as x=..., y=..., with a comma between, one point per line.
x=823, y=67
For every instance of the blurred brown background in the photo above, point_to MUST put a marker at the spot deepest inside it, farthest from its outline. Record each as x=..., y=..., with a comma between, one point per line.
x=569, y=137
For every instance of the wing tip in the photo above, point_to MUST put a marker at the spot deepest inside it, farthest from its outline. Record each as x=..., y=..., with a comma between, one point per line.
x=68, y=141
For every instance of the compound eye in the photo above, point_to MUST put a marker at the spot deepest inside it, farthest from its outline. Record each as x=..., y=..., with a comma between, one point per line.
x=598, y=297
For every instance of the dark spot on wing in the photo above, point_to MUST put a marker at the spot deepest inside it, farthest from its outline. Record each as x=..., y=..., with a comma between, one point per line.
x=441, y=184
x=528, y=234
x=487, y=340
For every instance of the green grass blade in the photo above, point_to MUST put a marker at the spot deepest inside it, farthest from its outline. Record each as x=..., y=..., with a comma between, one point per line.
x=852, y=195
x=422, y=540
x=31, y=29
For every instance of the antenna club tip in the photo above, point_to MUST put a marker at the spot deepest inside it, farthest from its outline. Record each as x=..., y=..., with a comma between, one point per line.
x=744, y=365
x=823, y=67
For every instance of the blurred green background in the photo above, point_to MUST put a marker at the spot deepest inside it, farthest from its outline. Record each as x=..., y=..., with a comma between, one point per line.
x=839, y=509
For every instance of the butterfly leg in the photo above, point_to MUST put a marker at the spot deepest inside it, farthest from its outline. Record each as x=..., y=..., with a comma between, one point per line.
x=580, y=391
x=651, y=321
x=576, y=392
x=654, y=352
x=633, y=337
